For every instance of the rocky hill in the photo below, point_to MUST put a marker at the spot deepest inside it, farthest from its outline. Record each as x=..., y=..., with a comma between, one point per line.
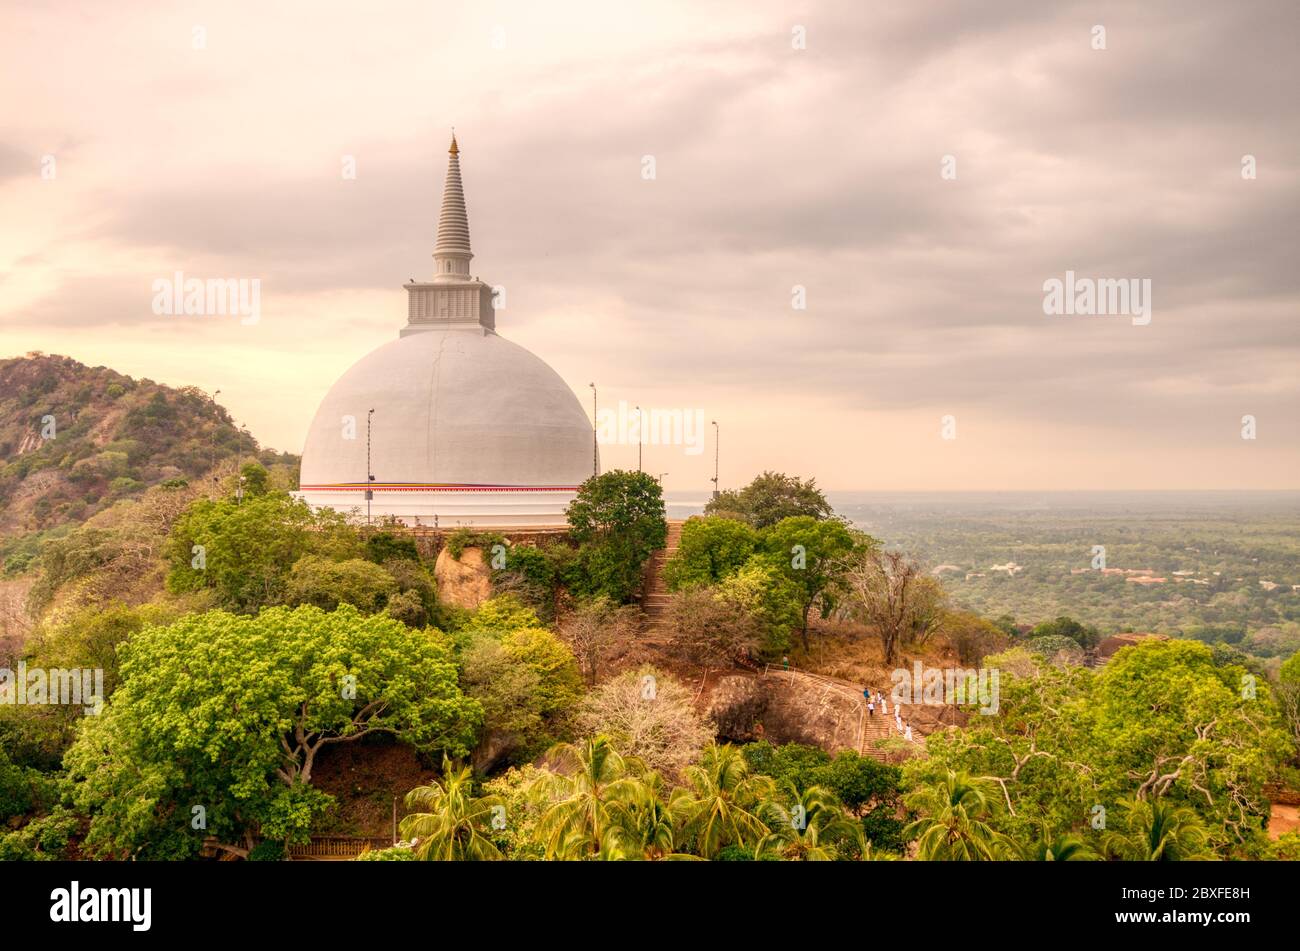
x=75, y=439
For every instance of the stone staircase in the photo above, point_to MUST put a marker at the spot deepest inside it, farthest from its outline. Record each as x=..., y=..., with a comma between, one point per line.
x=655, y=596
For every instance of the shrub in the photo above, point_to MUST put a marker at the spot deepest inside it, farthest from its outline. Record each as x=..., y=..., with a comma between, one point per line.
x=710, y=550
x=1057, y=649
x=41, y=840
x=268, y=850
x=382, y=547
x=327, y=584
x=709, y=631
x=406, y=606
x=653, y=720
x=395, y=854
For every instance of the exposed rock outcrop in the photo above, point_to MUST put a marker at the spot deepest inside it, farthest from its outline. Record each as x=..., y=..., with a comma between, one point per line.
x=466, y=582
x=736, y=707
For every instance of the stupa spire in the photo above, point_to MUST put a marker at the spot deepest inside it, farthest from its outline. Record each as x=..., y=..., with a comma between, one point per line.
x=451, y=253
x=452, y=300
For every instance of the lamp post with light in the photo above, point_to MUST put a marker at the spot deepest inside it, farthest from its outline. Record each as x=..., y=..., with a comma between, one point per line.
x=716, y=439
x=370, y=476
x=216, y=423
x=595, y=450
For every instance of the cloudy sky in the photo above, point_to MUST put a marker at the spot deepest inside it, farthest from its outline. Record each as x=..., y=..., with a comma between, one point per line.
x=142, y=139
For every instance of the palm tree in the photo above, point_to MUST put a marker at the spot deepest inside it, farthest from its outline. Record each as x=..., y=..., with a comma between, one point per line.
x=650, y=823
x=720, y=802
x=454, y=824
x=1068, y=848
x=808, y=829
x=952, y=824
x=1158, y=832
x=585, y=795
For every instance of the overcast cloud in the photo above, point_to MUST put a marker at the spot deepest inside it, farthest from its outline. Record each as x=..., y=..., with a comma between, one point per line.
x=775, y=167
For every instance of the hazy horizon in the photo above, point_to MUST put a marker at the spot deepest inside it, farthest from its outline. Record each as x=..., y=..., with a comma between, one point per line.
x=801, y=266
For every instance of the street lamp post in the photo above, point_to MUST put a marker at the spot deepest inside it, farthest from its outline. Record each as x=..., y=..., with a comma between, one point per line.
x=638, y=439
x=595, y=450
x=716, y=439
x=370, y=477
x=216, y=422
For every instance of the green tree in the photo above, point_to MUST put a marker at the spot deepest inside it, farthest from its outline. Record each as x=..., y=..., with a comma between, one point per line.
x=807, y=553
x=1169, y=723
x=23, y=789
x=528, y=682
x=1288, y=697
x=953, y=822
x=326, y=584
x=771, y=497
x=710, y=550
x=651, y=829
x=722, y=801
x=498, y=616
x=255, y=479
x=1157, y=832
x=1056, y=649
x=1066, y=848
x=619, y=504
x=42, y=840
x=807, y=825
x=453, y=825
x=382, y=547
x=245, y=551
x=972, y=636
x=1086, y=637
x=1160, y=722
x=229, y=713
x=584, y=799
x=771, y=599
x=618, y=520
x=609, y=568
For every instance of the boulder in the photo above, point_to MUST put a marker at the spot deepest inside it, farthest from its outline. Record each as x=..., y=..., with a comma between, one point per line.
x=466, y=582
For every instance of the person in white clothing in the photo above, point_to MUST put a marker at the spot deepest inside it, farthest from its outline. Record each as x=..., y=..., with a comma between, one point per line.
x=908, y=735
x=884, y=705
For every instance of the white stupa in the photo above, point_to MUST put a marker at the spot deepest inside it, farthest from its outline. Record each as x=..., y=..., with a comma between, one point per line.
x=467, y=428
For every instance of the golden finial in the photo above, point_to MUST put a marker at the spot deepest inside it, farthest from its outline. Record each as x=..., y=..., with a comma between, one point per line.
x=455, y=149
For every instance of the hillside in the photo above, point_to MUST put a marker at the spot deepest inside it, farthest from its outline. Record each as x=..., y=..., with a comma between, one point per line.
x=76, y=439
